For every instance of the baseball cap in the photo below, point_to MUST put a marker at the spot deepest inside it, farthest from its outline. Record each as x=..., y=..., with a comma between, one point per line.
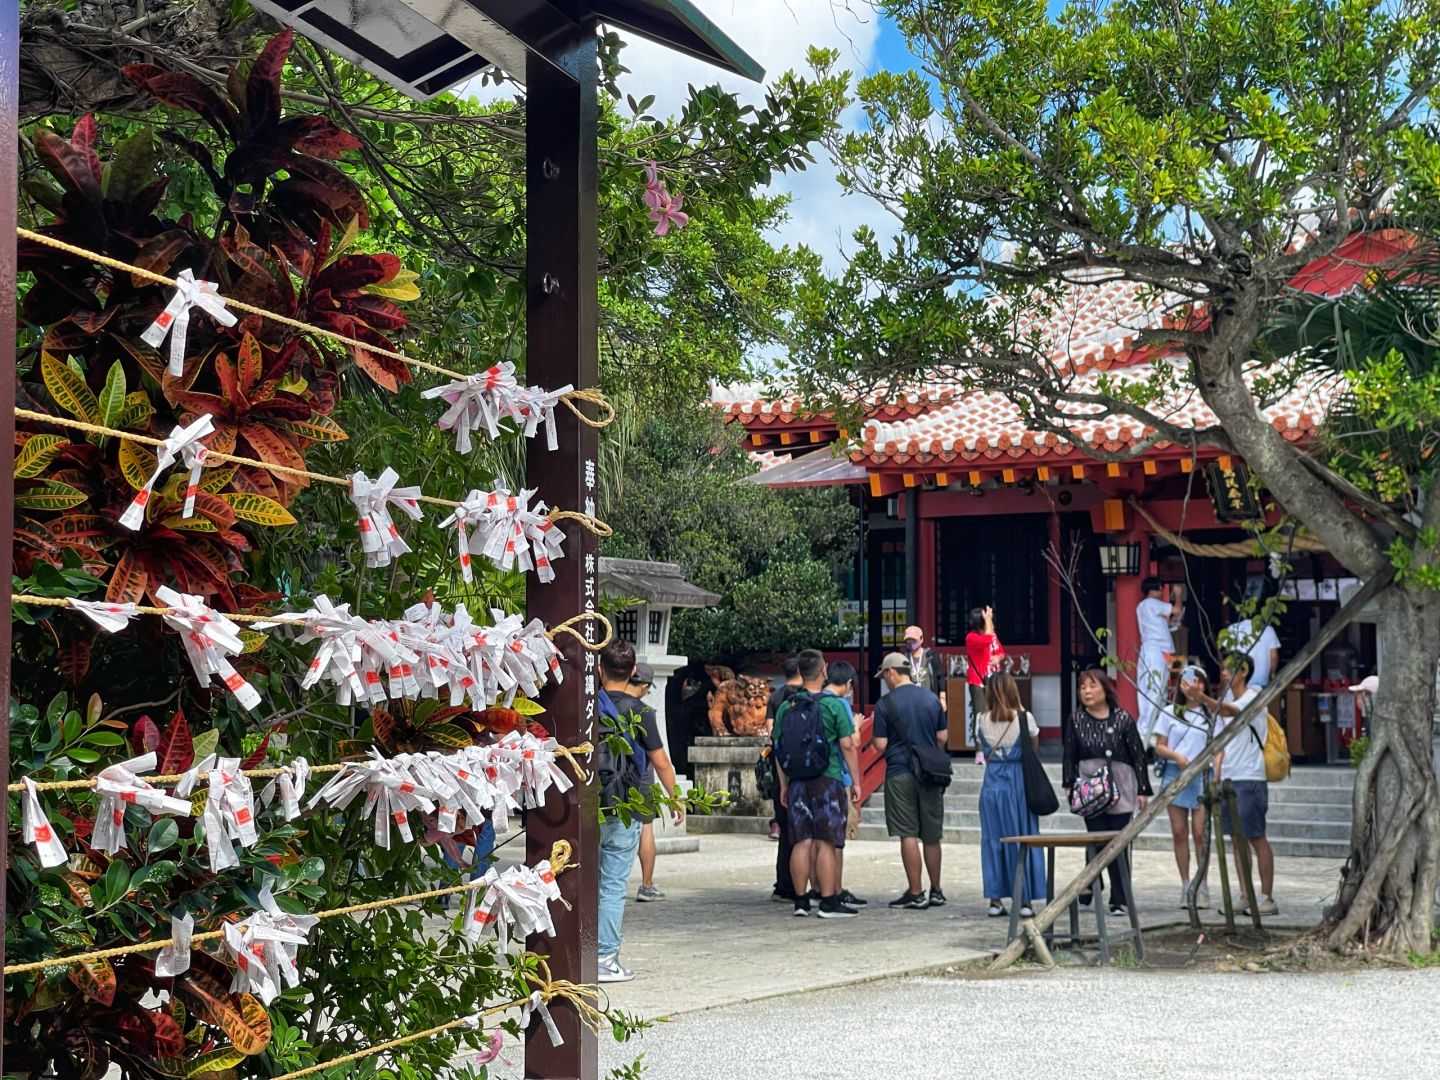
x=914, y=632
x=894, y=662
x=1368, y=685
x=644, y=673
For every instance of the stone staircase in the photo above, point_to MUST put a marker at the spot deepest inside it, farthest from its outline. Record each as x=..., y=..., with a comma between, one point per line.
x=1309, y=813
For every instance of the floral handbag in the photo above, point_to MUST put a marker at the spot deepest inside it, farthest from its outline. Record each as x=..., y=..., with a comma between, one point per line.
x=1094, y=794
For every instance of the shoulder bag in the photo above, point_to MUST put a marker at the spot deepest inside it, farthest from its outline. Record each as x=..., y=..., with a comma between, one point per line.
x=931, y=764
x=1039, y=792
x=1094, y=794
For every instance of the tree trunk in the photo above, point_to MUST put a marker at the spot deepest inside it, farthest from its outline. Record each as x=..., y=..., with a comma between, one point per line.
x=1386, y=901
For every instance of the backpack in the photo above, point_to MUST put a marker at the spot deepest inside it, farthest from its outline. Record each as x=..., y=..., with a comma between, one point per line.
x=617, y=773
x=801, y=750
x=1276, y=750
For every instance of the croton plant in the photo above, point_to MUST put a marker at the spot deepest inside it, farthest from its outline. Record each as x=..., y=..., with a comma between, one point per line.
x=280, y=231
x=286, y=218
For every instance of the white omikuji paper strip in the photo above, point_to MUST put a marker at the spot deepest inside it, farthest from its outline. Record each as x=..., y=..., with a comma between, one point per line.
x=429, y=653
x=536, y=1004
x=174, y=959
x=380, y=540
x=37, y=830
x=516, y=903
x=264, y=947
x=229, y=814
x=118, y=787
x=190, y=292
x=184, y=441
x=209, y=639
x=481, y=402
x=460, y=789
x=110, y=617
x=504, y=529
x=291, y=786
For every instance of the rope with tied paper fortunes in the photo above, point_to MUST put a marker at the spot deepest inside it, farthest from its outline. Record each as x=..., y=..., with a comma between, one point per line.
x=592, y=396
x=561, y=854
x=567, y=752
x=566, y=627
x=584, y=998
x=588, y=521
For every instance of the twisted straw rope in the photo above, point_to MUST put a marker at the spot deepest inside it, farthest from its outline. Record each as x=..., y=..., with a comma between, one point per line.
x=1242, y=549
x=566, y=627
x=583, y=998
x=560, y=861
x=589, y=521
x=567, y=752
x=592, y=396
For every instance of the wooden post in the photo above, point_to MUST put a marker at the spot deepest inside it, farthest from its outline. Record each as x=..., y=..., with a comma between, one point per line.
x=1213, y=805
x=1292, y=670
x=9, y=188
x=562, y=348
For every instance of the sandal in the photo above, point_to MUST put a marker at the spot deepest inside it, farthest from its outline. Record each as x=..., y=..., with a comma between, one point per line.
x=996, y=910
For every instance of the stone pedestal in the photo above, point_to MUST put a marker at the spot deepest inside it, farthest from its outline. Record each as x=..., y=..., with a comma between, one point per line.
x=728, y=764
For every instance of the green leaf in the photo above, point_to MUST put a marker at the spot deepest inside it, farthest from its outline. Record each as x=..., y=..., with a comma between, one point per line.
x=104, y=738
x=112, y=397
x=116, y=882
x=69, y=389
x=49, y=495
x=80, y=754
x=163, y=834
x=205, y=743
x=38, y=452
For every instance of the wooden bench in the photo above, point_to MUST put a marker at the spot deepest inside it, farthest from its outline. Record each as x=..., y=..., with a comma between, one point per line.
x=1050, y=842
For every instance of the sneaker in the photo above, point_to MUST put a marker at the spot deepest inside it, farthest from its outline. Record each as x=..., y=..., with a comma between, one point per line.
x=646, y=893
x=913, y=900
x=782, y=897
x=834, y=908
x=937, y=898
x=848, y=897
x=802, y=908
x=1027, y=912
x=995, y=910
x=1086, y=898
x=612, y=972
x=1267, y=907
x=1202, y=900
x=774, y=830
x=814, y=896
x=1119, y=909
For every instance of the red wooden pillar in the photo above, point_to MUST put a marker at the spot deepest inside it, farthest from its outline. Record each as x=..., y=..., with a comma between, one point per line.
x=1127, y=627
x=562, y=347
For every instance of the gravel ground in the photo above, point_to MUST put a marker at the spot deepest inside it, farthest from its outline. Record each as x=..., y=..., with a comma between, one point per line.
x=1058, y=1025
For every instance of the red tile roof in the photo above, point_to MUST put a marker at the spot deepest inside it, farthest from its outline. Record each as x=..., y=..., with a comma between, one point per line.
x=988, y=426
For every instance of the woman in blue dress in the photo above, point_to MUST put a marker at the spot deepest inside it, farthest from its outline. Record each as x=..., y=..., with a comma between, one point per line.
x=1003, y=810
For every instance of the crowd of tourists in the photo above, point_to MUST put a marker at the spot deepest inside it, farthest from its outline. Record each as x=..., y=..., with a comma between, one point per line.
x=812, y=769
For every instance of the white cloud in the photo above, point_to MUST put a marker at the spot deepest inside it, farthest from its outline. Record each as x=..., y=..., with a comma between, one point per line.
x=778, y=34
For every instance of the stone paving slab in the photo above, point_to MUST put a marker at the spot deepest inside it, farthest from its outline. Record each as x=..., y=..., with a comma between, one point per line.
x=718, y=939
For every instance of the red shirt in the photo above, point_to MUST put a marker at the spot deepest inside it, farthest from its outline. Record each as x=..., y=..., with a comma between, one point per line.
x=983, y=651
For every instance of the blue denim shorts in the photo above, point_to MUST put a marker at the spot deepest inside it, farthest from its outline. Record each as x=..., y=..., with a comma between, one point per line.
x=1189, y=797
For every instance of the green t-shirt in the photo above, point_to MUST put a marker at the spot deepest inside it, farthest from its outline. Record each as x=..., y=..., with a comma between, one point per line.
x=835, y=720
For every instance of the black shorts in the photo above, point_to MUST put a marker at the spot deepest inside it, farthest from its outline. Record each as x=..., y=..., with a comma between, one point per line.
x=818, y=811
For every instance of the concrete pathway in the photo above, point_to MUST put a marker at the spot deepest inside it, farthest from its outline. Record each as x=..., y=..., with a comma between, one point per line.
x=1058, y=1025
x=719, y=940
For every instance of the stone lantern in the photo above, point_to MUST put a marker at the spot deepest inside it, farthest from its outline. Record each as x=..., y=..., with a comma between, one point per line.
x=653, y=591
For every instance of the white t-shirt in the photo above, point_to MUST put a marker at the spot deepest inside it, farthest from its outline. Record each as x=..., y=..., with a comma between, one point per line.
x=1186, y=736
x=1153, y=614
x=1244, y=758
x=1241, y=635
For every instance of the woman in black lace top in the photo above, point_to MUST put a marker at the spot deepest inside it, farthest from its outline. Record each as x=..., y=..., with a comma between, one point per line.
x=1101, y=732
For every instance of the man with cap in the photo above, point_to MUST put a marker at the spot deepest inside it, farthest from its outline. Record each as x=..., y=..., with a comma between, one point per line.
x=909, y=715
x=640, y=683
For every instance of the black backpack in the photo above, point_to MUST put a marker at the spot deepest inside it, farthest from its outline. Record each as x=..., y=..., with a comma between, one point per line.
x=617, y=773
x=801, y=750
